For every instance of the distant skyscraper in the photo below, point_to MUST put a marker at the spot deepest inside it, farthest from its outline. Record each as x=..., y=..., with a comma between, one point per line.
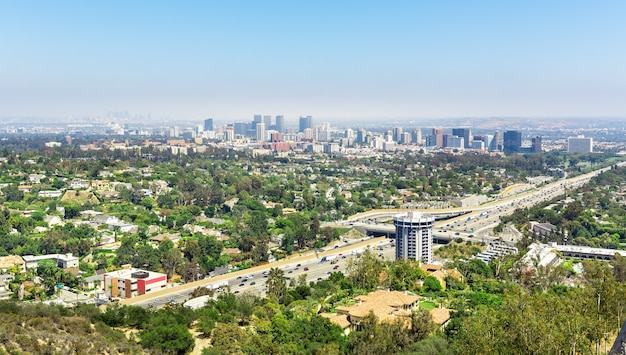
x=397, y=134
x=305, y=122
x=267, y=119
x=414, y=236
x=417, y=136
x=536, y=148
x=512, y=141
x=466, y=133
x=579, y=144
x=241, y=128
x=438, y=133
x=497, y=143
x=208, y=124
x=256, y=120
x=260, y=132
x=280, y=123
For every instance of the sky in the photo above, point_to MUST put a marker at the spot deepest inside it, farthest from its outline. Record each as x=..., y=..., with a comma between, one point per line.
x=334, y=59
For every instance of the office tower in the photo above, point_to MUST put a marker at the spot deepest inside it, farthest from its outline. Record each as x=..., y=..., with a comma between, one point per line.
x=438, y=133
x=308, y=133
x=466, y=133
x=241, y=128
x=414, y=236
x=280, y=123
x=497, y=143
x=431, y=141
x=256, y=120
x=536, y=148
x=305, y=122
x=512, y=141
x=229, y=133
x=579, y=144
x=488, y=138
x=417, y=136
x=267, y=119
x=455, y=142
x=208, y=124
x=397, y=134
x=348, y=133
x=405, y=138
x=478, y=144
x=360, y=135
x=260, y=132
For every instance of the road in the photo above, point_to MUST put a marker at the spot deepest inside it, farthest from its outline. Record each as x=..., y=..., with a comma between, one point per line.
x=180, y=293
x=466, y=226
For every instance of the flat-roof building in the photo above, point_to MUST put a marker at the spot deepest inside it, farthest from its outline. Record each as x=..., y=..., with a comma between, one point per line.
x=414, y=236
x=131, y=282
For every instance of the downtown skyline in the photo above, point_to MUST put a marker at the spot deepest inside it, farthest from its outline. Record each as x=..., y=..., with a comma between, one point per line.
x=336, y=61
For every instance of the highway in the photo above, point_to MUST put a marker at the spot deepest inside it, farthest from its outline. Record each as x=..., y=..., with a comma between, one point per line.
x=475, y=224
x=310, y=260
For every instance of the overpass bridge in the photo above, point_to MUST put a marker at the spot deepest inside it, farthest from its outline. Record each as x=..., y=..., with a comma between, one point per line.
x=439, y=237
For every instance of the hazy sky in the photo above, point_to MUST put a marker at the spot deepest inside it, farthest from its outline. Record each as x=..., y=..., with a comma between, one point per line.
x=330, y=59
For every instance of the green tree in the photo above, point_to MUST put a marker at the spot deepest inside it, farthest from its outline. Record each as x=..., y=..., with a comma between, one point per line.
x=276, y=284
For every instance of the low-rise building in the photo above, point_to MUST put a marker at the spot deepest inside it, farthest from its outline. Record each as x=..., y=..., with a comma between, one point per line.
x=63, y=261
x=131, y=282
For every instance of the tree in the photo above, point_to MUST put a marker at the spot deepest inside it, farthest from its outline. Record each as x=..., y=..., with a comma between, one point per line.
x=276, y=284
x=171, y=261
x=365, y=271
x=12, y=194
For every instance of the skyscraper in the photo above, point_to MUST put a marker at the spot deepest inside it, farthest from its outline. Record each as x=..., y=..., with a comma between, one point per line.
x=536, y=148
x=305, y=122
x=466, y=133
x=414, y=236
x=512, y=141
x=497, y=144
x=208, y=124
x=267, y=119
x=438, y=133
x=260, y=132
x=280, y=123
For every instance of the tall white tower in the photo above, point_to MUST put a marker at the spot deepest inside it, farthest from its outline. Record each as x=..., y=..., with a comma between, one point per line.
x=414, y=236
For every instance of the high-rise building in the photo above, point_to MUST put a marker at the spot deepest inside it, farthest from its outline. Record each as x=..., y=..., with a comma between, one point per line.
x=438, y=133
x=241, y=128
x=466, y=133
x=397, y=134
x=256, y=120
x=267, y=119
x=417, y=136
x=280, y=123
x=305, y=122
x=455, y=142
x=512, y=141
x=414, y=236
x=497, y=143
x=536, y=148
x=579, y=144
x=208, y=124
x=260, y=132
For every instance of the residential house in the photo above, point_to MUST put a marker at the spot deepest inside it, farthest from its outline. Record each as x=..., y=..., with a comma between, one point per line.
x=387, y=306
x=79, y=184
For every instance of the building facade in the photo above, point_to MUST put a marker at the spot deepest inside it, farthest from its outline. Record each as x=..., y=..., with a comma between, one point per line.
x=414, y=236
x=130, y=282
x=579, y=144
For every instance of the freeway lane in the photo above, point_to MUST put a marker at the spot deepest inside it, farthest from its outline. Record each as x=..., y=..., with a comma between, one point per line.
x=181, y=292
x=493, y=209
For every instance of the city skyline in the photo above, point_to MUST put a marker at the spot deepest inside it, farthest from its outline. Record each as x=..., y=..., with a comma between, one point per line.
x=334, y=61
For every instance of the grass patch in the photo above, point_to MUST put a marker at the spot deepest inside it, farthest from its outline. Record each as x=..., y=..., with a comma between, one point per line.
x=427, y=305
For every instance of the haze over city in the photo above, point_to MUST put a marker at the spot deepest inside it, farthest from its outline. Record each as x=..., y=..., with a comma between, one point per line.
x=349, y=60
